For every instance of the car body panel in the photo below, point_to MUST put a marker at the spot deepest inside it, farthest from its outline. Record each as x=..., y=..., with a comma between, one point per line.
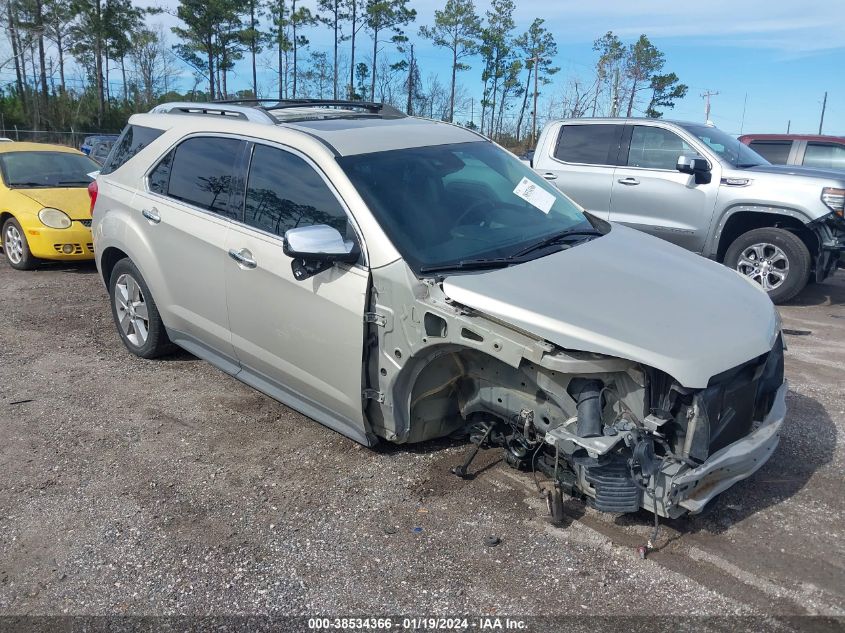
x=307, y=335
x=188, y=296
x=612, y=296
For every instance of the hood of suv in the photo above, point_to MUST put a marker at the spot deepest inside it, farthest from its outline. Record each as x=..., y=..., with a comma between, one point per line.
x=632, y=296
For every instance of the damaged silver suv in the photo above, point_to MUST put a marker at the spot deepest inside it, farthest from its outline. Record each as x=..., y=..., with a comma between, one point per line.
x=403, y=279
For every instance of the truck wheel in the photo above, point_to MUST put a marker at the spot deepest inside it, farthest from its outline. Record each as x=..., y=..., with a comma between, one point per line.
x=774, y=258
x=135, y=313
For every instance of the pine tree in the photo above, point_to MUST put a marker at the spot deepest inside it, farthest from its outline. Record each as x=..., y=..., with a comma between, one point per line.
x=456, y=28
x=381, y=16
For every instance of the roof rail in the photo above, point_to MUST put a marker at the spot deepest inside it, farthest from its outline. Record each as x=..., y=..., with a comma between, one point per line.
x=382, y=109
x=255, y=115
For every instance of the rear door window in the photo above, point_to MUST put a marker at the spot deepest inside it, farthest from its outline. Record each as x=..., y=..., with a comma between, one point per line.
x=200, y=171
x=589, y=144
x=776, y=152
x=133, y=139
x=824, y=156
x=284, y=192
x=656, y=148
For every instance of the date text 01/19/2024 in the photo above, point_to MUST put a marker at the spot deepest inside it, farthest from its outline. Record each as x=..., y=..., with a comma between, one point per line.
x=486, y=623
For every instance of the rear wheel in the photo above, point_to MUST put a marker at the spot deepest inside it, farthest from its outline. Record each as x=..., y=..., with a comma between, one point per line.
x=15, y=246
x=775, y=259
x=135, y=313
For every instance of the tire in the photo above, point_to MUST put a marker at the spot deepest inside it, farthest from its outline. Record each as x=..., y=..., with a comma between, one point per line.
x=15, y=246
x=786, y=261
x=131, y=299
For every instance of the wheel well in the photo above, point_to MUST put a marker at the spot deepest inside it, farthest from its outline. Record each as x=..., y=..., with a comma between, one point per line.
x=109, y=260
x=4, y=215
x=745, y=221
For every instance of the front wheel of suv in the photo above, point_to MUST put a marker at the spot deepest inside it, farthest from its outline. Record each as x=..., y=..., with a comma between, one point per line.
x=774, y=258
x=135, y=313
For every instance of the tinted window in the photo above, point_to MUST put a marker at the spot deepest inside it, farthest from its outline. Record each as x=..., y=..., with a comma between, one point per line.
x=284, y=192
x=776, y=152
x=160, y=175
x=133, y=139
x=202, y=171
x=29, y=170
x=824, y=155
x=656, y=148
x=591, y=144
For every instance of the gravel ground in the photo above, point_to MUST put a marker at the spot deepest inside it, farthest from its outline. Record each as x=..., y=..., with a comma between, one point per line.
x=166, y=487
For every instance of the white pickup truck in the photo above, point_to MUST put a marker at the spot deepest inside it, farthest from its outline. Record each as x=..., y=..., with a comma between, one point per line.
x=702, y=189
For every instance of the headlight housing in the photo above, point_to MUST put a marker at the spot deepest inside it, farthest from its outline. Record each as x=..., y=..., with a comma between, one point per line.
x=54, y=218
x=834, y=199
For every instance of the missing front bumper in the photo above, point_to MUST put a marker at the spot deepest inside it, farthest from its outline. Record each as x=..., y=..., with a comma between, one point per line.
x=691, y=490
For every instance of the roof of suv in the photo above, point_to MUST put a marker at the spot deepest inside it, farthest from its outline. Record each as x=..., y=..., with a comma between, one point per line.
x=346, y=131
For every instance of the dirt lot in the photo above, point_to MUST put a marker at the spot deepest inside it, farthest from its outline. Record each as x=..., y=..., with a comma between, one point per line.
x=148, y=487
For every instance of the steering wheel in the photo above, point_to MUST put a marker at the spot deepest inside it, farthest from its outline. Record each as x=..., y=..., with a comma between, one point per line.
x=475, y=207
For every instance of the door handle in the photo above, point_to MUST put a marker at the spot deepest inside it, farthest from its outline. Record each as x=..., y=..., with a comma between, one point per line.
x=550, y=176
x=152, y=215
x=628, y=181
x=243, y=257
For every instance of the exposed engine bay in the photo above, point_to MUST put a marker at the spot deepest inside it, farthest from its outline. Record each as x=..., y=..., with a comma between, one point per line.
x=607, y=430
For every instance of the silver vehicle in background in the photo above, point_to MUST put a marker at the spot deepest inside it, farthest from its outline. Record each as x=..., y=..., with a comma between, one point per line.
x=700, y=188
x=402, y=279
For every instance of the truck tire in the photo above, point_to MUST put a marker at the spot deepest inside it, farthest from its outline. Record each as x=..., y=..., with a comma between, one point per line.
x=774, y=258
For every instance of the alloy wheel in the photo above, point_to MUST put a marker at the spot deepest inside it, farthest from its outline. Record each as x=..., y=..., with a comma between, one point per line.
x=13, y=244
x=132, y=312
x=766, y=264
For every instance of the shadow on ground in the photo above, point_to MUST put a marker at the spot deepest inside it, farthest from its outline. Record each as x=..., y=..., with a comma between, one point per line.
x=831, y=292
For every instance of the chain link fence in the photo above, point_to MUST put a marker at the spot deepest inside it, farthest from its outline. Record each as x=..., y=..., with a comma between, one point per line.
x=70, y=138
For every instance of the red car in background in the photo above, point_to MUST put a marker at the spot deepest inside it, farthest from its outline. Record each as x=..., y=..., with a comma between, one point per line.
x=808, y=150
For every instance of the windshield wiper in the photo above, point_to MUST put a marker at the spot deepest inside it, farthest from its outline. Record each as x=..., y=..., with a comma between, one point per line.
x=468, y=264
x=74, y=182
x=26, y=183
x=553, y=239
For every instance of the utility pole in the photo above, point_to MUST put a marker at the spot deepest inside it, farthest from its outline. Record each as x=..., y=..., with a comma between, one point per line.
x=706, y=96
x=824, y=107
x=536, y=60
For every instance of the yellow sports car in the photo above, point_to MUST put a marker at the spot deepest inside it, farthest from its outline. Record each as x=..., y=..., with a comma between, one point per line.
x=44, y=203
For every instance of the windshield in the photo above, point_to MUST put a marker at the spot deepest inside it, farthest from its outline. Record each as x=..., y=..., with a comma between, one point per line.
x=459, y=204
x=26, y=170
x=729, y=149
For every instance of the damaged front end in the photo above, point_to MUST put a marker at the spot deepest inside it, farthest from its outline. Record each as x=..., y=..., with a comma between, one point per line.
x=604, y=429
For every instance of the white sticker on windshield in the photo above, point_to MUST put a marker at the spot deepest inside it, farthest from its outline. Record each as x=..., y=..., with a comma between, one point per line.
x=535, y=195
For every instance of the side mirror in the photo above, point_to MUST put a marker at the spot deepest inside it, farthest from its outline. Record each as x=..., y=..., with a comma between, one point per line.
x=697, y=166
x=316, y=248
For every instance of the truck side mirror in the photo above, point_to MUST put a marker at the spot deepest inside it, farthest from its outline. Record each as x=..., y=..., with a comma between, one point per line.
x=696, y=166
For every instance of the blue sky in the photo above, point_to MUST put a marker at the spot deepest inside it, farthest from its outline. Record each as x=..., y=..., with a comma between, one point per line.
x=782, y=55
